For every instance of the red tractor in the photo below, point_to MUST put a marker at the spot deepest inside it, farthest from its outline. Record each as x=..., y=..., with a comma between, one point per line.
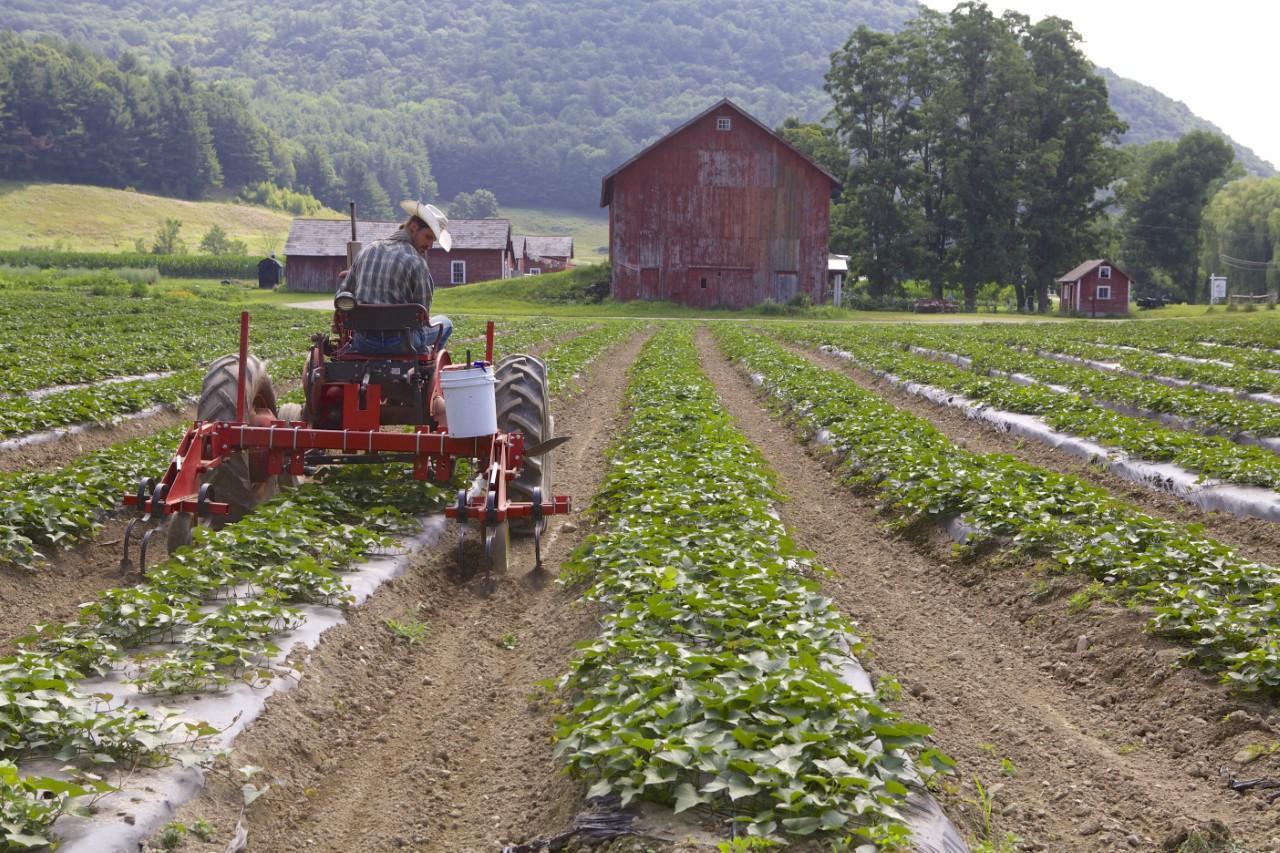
x=243, y=446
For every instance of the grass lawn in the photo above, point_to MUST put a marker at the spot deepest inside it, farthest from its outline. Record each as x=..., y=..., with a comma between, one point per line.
x=570, y=294
x=97, y=219
x=590, y=230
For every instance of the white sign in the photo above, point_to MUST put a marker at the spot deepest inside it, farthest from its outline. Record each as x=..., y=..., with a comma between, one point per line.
x=1217, y=288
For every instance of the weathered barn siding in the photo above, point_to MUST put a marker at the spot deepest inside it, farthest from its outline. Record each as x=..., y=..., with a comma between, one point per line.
x=481, y=265
x=316, y=251
x=312, y=274
x=711, y=217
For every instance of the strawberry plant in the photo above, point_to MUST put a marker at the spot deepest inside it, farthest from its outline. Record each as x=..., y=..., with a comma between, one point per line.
x=716, y=677
x=1198, y=590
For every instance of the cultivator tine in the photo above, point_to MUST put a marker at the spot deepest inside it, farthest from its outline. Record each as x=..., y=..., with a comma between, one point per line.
x=126, y=565
x=146, y=485
x=538, y=525
x=142, y=550
x=462, y=534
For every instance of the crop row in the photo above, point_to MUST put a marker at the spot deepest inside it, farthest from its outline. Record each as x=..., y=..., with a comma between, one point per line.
x=199, y=629
x=59, y=338
x=1199, y=591
x=1210, y=411
x=716, y=675
x=1207, y=455
x=290, y=551
x=1241, y=342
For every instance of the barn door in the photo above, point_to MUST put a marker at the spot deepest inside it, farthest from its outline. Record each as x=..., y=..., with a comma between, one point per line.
x=785, y=285
x=649, y=283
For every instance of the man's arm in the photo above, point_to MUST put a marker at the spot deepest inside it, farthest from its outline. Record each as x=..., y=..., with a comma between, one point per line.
x=423, y=287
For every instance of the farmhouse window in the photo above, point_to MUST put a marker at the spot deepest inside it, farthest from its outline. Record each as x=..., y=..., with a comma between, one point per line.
x=1104, y=291
x=458, y=272
x=1104, y=272
x=723, y=123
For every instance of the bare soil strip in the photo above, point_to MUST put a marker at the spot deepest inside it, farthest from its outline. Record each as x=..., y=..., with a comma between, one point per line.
x=1107, y=746
x=1258, y=539
x=67, y=448
x=441, y=745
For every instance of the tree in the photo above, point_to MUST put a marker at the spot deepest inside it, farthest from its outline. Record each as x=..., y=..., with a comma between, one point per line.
x=216, y=242
x=872, y=114
x=989, y=90
x=1240, y=235
x=1164, y=205
x=1070, y=156
x=363, y=188
x=481, y=204
x=167, y=241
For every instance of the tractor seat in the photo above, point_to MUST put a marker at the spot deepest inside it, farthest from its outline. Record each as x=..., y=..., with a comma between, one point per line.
x=387, y=319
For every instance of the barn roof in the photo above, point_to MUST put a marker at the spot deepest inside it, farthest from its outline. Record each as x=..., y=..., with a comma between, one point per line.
x=606, y=183
x=548, y=247
x=517, y=245
x=1087, y=267
x=328, y=237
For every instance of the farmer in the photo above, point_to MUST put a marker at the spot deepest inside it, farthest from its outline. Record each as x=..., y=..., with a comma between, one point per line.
x=394, y=271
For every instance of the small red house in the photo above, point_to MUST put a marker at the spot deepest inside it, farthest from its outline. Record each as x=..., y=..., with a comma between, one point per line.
x=1096, y=288
x=720, y=211
x=316, y=251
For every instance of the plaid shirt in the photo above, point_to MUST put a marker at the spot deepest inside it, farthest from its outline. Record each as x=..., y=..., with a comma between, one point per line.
x=391, y=271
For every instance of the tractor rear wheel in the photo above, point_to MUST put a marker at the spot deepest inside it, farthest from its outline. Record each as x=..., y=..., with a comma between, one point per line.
x=524, y=406
x=237, y=482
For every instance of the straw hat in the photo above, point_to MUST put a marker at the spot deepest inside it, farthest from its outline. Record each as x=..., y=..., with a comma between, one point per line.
x=435, y=219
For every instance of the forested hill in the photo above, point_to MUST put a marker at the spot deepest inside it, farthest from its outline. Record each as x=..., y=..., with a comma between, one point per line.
x=534, y=100
x=1152, y=115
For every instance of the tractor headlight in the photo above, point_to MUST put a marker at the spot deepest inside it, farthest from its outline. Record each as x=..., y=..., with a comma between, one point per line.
x=345, y=301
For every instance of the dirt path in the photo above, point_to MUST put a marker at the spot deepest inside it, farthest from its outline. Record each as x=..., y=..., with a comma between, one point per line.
x=1258, y=539
x=442, y=745
x=1106, y=748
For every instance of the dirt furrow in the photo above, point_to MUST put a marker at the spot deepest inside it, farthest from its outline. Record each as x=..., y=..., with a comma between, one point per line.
x=444, y=744
x=1077, y=727
x=67, y=448
x=1257, y=538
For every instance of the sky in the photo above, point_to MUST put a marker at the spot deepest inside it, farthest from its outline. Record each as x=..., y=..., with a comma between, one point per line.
x=1218, y=58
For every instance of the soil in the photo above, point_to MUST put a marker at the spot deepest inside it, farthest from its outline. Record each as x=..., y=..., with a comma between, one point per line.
x=446, y=744
x=1080, y=727
x=63, y=450
x=1254, y=537
x=54, y=590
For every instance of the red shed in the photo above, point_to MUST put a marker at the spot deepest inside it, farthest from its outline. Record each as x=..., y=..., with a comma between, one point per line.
x=1095, y=288
x=316, y=251
x=720, y=211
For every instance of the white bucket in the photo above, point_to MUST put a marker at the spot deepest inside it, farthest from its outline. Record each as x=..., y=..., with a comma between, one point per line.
x=470, y=400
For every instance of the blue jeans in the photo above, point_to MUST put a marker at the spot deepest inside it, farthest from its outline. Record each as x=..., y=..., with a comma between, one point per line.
x=423, y=338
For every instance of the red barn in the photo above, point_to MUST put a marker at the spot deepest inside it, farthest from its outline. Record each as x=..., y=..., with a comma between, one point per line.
x=543, y=254
x=720, y=211
x=1095, y=288
x=316, y=251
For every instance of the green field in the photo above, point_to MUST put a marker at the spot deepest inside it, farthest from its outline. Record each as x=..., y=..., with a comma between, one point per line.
x=98, y=219
x=590, y=230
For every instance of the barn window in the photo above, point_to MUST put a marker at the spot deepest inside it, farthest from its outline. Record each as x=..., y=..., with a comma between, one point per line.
x=535, y=270
x=457, y=272
x=1104, y=291
x=723, y=123
x=703, y=283
x=1104, y=272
